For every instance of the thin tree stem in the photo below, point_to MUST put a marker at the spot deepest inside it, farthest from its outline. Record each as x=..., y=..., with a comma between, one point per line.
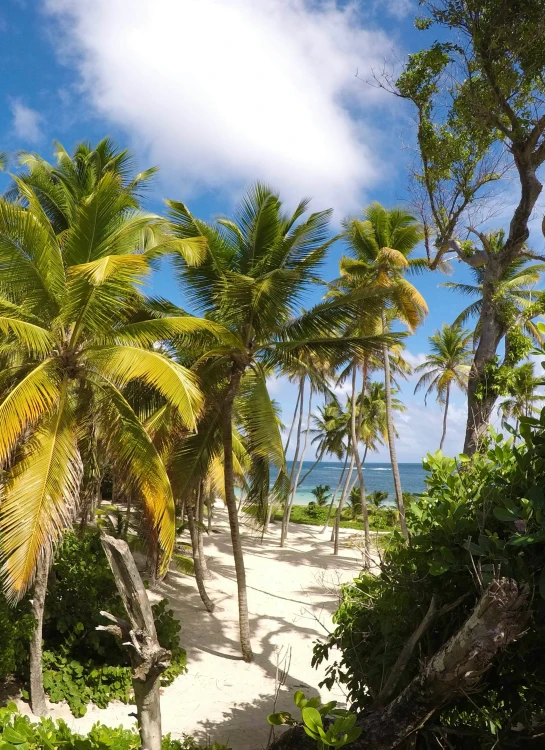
x=445, y=418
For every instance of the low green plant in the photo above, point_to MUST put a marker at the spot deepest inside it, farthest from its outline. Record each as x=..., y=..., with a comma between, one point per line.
x=80, y=664
x=338, y=730
x=20, y=733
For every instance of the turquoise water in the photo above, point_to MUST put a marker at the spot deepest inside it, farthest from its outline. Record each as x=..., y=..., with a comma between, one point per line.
x=377, y=477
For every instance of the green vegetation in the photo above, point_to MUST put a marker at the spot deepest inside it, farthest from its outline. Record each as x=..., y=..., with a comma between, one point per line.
x=384, y=519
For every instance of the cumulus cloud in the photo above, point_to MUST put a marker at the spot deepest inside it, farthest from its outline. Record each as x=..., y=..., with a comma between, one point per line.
x=223, y=92
x=26, y=121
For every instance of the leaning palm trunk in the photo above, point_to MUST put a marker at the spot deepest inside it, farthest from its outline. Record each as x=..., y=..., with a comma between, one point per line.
x=287, y=506
x=200, y=543
x=338, y=487
x=445, y=418
x=231, y=502
x=345, y=493
x=297, y=476
x=199, y=573
x=391, y=436
x=37, y=694
x=359, y=469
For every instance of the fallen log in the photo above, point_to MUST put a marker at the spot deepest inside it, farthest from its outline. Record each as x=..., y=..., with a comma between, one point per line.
x=498, y=619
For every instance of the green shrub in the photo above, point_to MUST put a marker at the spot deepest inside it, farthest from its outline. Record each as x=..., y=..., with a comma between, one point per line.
x=83, y=665
x=20, y=733
x=478, y=519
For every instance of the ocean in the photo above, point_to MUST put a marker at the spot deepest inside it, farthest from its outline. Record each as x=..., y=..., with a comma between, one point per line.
x=377, y=477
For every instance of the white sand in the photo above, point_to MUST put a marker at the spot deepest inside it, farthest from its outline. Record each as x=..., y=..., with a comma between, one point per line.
x=292, y=593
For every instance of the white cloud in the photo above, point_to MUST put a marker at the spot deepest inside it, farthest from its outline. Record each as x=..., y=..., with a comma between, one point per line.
x=26, y=121
x=414, y=359
x=223, y=92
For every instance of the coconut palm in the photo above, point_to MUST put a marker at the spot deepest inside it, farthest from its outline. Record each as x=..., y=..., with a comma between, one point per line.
x=378, y=498
x=354, y=506
x=257, y=269
x=70, y=348
x=524, y=398
x=448, y=363
x=380, y=246
x=515, y=293
x=322, y=494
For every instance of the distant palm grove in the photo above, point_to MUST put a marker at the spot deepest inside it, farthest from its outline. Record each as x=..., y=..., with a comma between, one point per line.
x=125, y=417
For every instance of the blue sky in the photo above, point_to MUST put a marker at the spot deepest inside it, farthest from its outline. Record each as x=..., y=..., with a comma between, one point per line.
x=219, y=93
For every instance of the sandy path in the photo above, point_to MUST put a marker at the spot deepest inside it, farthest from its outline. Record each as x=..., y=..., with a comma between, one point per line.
x=292, y=594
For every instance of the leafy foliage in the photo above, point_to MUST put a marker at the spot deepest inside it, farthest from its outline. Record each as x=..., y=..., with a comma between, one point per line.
x=479, y=518
x=20, y=733
x=80, y=664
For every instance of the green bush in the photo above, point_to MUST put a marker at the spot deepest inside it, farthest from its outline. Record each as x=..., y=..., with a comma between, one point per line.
x=478, y=519
x=83, y=665
x=379, y=519
x=20, y=733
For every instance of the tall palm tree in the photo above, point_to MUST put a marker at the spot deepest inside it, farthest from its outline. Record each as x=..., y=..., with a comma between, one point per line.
x=524, y=397
x=70, y=349
x=256, y=271
x=449, y=362
x=515, y=293
x=380, y=246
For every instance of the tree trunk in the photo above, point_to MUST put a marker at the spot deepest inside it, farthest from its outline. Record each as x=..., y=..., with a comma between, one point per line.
x=445, y=418
x=199, y=573
x=391, y=436
x=285, y=529
x=346, y=490
x=359, y=469
x=287, y=507
x=498, y=619
x=204, y=566
x=148, y=659
x=481, y=400
x=231, y=502
x=267, y=520
x=37, y=694
x=336, y=493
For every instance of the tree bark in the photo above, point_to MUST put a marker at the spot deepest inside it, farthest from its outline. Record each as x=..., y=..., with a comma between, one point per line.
x=199, y=575
x=202, y=557
x=480, y=400
x=231, y=502
x=338, y=487
x=299, y=469
x=359, y=469
x=345, y=492
x=148, y=659
x=37, y=694
x=497, y=620
x=445, y=418
x=287, y=507
x=391, y=437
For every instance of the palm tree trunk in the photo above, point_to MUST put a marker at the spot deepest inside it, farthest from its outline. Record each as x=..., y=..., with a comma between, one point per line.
x=295, y=411
x=37, y=694
x=199, y=575
x=287, y=508
x=210, y=508
x=231, y=502
x=344, y=495
x=391, y=436
x=445, y=418
x=359, y=469
x=200, y=508
x=314, y=465
x=299, y=469
x=336, y=493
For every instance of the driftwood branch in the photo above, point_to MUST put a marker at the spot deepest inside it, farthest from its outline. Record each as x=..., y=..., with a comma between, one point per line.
x=148, y=658
x=497, y=620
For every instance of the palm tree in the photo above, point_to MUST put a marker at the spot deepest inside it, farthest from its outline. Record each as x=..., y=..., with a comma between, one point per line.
x=514, y=294
x=378, y=498
x=448, y=362
x=70, y=349
x=257, y=268
x=322, y=494
x=354, y=503
x=524, y=398
x=380, y=245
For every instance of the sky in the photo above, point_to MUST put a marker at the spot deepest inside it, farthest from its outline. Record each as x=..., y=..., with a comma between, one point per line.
x=221, y=93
